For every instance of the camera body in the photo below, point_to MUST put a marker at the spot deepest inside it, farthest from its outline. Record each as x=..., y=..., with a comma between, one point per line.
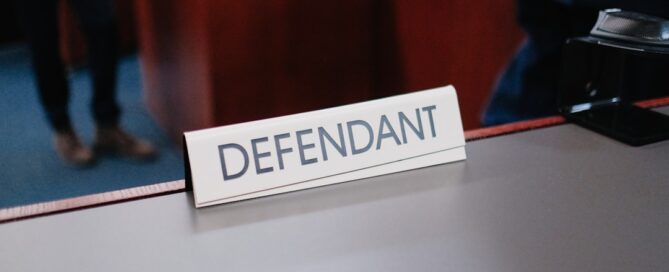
x=624, y=60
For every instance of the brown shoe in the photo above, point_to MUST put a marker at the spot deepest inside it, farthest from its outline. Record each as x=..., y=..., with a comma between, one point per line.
x=113, y=140
x=71, y=150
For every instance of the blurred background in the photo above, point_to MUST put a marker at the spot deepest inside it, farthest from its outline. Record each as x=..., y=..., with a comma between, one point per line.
x=188, y=65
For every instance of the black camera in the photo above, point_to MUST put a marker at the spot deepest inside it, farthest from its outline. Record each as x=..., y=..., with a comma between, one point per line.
x=624, y=59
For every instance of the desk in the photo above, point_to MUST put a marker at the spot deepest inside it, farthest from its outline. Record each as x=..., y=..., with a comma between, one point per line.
x=554, y=199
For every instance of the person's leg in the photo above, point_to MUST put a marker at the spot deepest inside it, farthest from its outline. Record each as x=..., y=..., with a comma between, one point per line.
x=98, y=23
x=40, y=23
x=528, y=87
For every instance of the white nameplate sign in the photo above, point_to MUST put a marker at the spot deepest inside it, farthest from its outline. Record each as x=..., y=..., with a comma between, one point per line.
x=317, y=148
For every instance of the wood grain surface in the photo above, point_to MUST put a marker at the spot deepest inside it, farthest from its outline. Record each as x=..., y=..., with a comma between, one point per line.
x=57, y=206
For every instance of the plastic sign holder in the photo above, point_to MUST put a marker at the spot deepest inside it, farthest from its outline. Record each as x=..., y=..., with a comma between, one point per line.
x=323, y=147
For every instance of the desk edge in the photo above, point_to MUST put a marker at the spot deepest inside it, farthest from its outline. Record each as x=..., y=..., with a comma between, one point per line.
x=171, y=187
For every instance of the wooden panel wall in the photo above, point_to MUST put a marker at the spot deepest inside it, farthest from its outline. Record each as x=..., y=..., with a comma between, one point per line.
x=281, y=57
x=212, y=62
x=459, y=42
x=176, y=69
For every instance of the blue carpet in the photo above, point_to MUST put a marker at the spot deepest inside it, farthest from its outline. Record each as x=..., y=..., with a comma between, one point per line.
x=31, y=170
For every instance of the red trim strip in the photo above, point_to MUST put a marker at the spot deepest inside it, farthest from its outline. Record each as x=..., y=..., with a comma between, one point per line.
x=94, y=200
x=653, y=103
x=477, y=134
x=481, y=133
x=87, y=201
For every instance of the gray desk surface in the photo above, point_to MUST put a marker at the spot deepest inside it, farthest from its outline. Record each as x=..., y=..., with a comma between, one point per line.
x=555, y=199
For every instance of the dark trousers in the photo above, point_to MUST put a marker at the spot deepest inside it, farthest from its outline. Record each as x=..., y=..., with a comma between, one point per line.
x=529, y=86
x=96, y=18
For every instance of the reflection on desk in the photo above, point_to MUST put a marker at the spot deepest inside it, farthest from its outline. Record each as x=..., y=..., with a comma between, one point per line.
x=560, y=198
